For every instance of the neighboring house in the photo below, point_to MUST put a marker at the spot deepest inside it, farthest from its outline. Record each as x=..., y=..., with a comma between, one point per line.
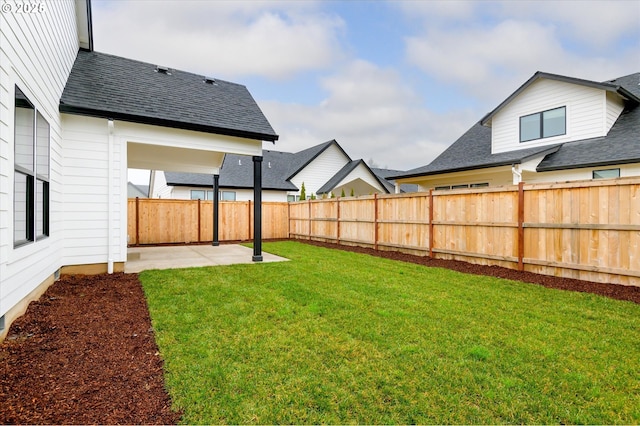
x=324, y=169
x=139, y=191
x=73, y=121
x=553, y=128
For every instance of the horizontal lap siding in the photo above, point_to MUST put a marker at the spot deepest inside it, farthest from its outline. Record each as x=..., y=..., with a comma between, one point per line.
x=86, y=191
x=37, y=51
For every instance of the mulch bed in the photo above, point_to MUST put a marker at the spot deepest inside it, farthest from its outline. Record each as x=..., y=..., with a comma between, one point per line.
x=85, y=352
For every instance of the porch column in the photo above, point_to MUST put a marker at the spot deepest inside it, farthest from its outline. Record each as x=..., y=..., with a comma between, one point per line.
x=257, y=209
x=216, y=211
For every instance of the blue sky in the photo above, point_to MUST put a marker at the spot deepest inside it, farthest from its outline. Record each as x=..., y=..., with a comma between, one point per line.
x=394, y=82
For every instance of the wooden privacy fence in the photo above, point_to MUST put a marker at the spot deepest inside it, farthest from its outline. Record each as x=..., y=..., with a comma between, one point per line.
x=587, y=230
x=161, y=221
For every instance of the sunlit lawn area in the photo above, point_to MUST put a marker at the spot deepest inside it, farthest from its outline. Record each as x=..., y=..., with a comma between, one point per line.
x=338, y=337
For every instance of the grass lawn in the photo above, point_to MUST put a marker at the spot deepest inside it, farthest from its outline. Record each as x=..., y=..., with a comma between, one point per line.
x=338, y=337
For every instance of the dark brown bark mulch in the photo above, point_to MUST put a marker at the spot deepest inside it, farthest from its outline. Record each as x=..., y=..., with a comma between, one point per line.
x=85, y=353
x=614, y=291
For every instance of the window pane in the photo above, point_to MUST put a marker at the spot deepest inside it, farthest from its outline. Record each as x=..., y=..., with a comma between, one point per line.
x=606, y=174
x=228, y=196
x=42, y=208
x=553, y=122
x=291, y=197
x=197, y=195
x=20, y=202
x=24, y=116
x=42, y=147
x=530, y=127
x=209, y=195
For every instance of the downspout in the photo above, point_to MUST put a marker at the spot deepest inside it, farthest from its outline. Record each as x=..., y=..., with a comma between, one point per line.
x=517, y=174
x=110, y=199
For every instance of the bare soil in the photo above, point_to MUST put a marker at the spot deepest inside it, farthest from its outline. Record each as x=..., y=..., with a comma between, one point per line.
x=85, y=352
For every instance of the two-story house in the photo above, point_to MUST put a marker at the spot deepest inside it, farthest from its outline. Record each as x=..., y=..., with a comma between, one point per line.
x=553, y=128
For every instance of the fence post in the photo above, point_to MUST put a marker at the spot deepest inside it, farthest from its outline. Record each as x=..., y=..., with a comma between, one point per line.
x=338, y=221
x=375, y=221
x=431, y=239
x=137, y=221
x=249, y=220
x=521, y=226
x=199, y=220
x=288, y=220
x=309, y=201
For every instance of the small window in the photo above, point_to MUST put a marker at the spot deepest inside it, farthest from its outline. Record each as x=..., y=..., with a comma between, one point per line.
x=291, y=198
x=480, y=185
x=465, y=186
x=442, y=188
x=209, y=195
x=543, y=124
x=606, y=174
x=197, y=194
x=228, y=196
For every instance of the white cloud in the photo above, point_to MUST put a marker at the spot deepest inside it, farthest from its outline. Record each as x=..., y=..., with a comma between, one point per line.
x=372, y=114
x=223, y=39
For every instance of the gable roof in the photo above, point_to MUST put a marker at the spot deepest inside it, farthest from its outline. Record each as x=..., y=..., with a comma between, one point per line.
x=108, y=86
x=134, y=190
x=609, y=86
x=237, y=172
x=301, y=159
x=344, y=172
x=473, y=151
x=385, y=176
x=621, y=145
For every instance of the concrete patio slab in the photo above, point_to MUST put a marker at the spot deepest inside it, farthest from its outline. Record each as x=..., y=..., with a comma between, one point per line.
x=171, y=257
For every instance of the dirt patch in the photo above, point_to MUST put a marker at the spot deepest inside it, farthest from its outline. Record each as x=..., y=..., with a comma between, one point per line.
x=614, y=291
x=85, y=353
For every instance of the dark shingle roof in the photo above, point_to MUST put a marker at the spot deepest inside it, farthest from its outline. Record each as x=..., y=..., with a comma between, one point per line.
x=237, y=172
x=385, y=175
x=473, y=151
x=621, y=145
x=302, y=158
x=108, y=86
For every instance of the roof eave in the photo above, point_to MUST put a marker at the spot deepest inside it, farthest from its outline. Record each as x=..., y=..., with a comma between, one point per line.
x=586, y=165
x=70, y=109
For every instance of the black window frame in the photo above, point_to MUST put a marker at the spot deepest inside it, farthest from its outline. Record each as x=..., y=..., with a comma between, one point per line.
x=34, y=231
x=541, y=130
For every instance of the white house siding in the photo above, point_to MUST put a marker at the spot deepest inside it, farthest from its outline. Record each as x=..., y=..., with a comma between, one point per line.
x=90, y=167
x=159, y=188
x=614, y=106
x=320, y=170
x=361, y=175
x=585, y=109
x=37, y=51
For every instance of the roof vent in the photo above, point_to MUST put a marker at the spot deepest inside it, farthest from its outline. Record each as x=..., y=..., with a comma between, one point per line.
x=239, y=162
x=269, y=164
x=163, y=70
x=210, y=80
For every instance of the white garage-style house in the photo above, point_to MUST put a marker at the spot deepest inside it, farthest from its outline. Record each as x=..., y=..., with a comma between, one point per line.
x=73, y=121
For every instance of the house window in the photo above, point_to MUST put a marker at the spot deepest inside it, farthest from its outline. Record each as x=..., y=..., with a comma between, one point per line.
x=543, y=124
x=291, y=198
x=197, y=194
x=606, y=174
x=31, y=172
x=228, y=196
